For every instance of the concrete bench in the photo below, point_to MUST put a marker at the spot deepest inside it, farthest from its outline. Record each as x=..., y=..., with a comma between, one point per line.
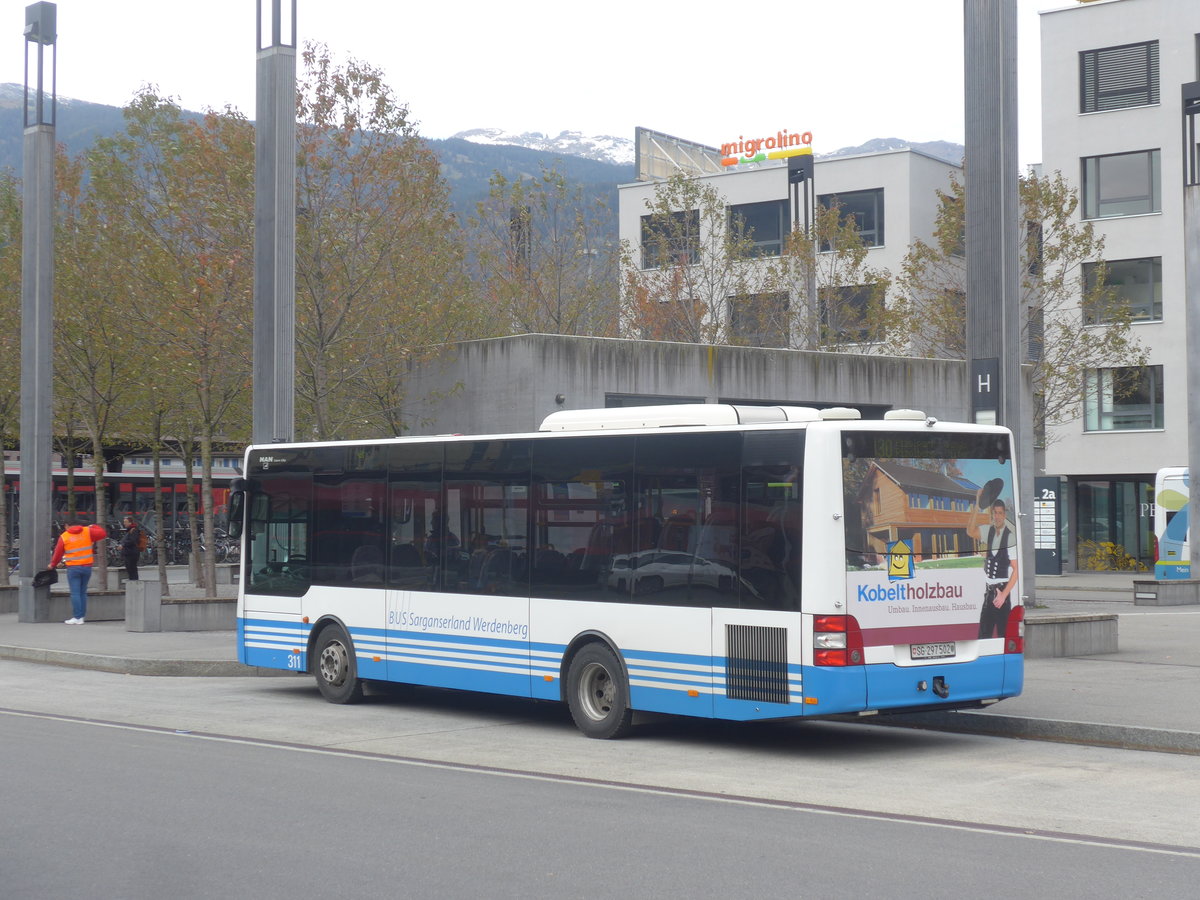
x=1184, y=592
x=146, y=610
x=1049, y=635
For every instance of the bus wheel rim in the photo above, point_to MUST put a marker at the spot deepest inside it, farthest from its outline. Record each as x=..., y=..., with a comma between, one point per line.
x=334, y=663
x=596, y=691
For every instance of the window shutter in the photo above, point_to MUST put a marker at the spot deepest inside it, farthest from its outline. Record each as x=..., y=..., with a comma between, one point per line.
x=1118, y=77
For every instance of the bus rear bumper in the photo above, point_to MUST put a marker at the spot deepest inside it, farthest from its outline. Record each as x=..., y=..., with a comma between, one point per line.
x=887, y=688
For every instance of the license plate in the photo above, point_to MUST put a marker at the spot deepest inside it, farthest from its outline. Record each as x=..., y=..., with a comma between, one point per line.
x=931, y=651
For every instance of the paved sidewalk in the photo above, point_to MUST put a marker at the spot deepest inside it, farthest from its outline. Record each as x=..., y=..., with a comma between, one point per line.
x=1145, y=696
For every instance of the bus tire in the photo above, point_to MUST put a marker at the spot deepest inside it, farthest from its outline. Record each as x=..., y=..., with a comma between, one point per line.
x=335, y=667
x=598, y=695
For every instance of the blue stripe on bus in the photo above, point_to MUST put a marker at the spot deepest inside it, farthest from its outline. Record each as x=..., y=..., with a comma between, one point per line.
x=461, y=677
x=507, y=667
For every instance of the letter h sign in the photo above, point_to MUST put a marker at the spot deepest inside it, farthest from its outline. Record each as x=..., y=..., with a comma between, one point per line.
x=985, y=389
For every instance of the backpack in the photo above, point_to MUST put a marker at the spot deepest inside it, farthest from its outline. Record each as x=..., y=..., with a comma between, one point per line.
x=142, y=541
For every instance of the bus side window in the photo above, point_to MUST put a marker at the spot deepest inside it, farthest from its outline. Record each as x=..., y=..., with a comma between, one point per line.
x=772, y=467
x=414, y=491
x=487, y=496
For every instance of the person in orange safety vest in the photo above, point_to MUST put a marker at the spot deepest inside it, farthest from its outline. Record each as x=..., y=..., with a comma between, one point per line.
x=75, y=548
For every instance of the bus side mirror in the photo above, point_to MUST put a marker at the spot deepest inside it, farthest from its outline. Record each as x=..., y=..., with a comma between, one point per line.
x=237, y=509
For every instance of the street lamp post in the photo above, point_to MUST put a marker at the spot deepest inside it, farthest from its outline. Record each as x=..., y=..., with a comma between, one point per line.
x=802, y=180
x=37, y=309
x=275, y=224
x=998, y=389
x=1191, y=244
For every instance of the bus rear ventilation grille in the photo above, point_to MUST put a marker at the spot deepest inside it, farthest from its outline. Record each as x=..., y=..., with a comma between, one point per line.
x=756, y=663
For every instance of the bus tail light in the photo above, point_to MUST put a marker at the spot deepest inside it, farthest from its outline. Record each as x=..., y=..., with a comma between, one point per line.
x=837, y=641
x=1014, y=631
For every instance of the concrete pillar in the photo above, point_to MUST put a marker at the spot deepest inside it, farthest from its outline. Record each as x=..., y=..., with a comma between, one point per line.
x=998, y=387
x=37, y=317
x=143, y=606
x=1191, y=246
x=275, y=224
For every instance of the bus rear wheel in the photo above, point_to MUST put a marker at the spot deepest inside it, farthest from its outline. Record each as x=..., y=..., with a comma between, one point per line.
x=598, y=695
x=336, y=668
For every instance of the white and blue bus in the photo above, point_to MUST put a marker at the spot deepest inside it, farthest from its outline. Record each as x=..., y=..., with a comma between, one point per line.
x=705, y=560
x=1171, y=493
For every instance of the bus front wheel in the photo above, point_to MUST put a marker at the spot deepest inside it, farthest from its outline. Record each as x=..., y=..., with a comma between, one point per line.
x=597, y=694
x=336, y=668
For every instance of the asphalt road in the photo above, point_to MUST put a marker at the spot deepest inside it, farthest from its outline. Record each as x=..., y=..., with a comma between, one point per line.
x=1096, y=792
x=116, y=812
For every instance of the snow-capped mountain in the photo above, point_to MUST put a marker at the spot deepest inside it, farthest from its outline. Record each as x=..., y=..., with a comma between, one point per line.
x=607, y=148
x=604, y=148
x=947, y=150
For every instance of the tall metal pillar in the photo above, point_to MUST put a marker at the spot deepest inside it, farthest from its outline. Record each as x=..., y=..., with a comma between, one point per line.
x=37, y=311
x=1191, y=252
x=994, y=350
x=803, y=182
x=275, y=224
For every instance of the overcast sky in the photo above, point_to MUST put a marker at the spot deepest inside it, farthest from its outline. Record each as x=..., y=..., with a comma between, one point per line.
x=846, y=70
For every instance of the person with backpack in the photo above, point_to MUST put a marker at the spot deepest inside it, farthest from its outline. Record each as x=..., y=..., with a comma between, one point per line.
x=133, y=543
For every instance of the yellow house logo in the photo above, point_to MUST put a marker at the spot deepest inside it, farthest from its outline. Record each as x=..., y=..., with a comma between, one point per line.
x=900, y=560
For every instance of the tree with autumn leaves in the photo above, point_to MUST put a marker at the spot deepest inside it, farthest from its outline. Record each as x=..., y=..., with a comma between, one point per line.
x=1058, y=297
x=700, y=276
x=155, y=275
x=544, y=260
x=380, y=271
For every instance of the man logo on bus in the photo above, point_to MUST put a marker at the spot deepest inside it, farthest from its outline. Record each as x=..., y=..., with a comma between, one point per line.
x=900, y=560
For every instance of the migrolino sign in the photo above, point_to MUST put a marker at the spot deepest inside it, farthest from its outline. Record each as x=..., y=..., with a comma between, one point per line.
x=780, y=145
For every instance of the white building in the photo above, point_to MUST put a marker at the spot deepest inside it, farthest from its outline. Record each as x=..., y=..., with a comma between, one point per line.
x=892, y=195
x=1112, y=125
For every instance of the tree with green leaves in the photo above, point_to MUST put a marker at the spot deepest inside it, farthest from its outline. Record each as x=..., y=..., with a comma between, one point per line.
x=177, y=193
x=1063, y=290
x=93, y=341
x=545, y=261
x=380, y=273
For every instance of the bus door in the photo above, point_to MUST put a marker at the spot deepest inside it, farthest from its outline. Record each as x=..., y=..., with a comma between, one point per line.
x=752, y=561
x=458, y=592
x=277, y=572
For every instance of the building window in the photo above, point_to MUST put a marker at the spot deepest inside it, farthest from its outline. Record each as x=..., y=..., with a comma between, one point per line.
x=1122, y=184
x=843, y=311
x=762, y=224
x=867, y=209
x=672, y=239
x=1121, y=399
x=759, y=320
x=1118, y=77
x=1133, y=284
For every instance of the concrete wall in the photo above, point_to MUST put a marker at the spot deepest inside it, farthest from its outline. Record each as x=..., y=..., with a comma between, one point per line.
x=506, y=385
